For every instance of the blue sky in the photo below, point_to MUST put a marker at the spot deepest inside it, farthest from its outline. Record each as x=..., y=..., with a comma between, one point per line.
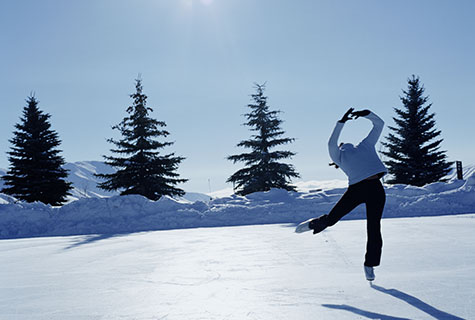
x=200, y=58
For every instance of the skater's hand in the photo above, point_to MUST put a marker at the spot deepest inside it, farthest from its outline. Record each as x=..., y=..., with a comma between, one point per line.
x=361, y=113
x=347, y=116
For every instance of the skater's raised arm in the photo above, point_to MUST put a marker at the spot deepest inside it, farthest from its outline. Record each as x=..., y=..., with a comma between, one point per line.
x=378, y=125
x=333, y=141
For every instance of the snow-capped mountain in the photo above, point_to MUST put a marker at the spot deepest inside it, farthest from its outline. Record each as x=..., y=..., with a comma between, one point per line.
x=2, y=173
x=467, y=171
x=81, y=174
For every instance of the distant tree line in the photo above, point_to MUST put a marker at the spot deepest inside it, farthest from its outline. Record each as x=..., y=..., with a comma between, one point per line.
x=36, y=167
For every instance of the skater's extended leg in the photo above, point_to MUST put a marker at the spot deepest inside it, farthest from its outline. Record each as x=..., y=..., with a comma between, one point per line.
x=350, y=200
x=353, y=197
x=374, y=210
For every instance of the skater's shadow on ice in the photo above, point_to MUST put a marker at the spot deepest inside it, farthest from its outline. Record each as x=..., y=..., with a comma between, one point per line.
x=417, y=303
x=364, y=313
x=413, y=301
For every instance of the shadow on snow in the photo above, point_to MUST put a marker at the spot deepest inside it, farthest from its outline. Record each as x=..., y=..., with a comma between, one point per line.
x=87, y=239
x=364, y=313
x=417, y=303
x=413, y=301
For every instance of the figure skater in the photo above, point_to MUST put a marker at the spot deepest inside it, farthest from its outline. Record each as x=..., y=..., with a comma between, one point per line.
x=364, y=169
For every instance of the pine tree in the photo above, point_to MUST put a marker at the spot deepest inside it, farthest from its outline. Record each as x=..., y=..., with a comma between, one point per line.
x=141, y=168
x=415, y=158
x=262, y=170
x=36, y=172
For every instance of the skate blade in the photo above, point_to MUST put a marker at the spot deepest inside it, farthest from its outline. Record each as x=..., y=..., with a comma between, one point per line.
x=303, y=227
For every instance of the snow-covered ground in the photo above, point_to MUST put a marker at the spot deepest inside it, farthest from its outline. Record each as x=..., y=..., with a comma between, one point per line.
x=125, y=214
x=264, y=272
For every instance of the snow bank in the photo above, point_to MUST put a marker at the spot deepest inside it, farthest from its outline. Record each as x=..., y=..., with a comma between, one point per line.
x=125, y=214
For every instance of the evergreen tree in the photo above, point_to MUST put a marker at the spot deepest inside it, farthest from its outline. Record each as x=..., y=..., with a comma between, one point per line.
x=262, y=170
x=141, y=168
x=36, y=172
x=414, y=155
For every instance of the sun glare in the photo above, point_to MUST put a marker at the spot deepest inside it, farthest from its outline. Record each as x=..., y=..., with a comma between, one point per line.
x=190, y=3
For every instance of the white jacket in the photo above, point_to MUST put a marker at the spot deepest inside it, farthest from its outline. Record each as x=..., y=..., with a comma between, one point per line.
x=362, y=161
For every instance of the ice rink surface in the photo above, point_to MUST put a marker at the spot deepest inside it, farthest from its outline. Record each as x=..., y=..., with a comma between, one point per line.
x=250, y=272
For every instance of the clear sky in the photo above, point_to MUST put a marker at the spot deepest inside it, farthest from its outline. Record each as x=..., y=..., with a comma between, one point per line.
x=200, y=58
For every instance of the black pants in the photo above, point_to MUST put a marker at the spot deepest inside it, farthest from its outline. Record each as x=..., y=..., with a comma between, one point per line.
x=370, y=192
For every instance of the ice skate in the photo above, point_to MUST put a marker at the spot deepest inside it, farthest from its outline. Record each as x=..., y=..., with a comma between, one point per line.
x=304, y=226
x=315, y=224
x=369, y=273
